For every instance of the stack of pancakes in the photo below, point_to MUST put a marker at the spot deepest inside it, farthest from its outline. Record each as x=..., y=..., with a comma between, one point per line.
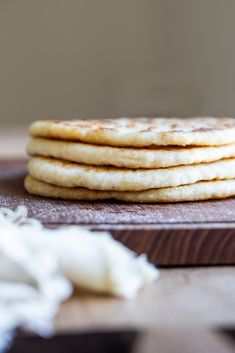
x=133, y=159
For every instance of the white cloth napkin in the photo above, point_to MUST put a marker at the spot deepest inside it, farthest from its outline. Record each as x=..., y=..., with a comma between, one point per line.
x=39, y=266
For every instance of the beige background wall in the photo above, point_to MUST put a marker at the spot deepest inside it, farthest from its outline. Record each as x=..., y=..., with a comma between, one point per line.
x=69, y=58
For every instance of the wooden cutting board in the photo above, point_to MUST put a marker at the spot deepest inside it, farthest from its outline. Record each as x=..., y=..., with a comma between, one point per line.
x=192, y=233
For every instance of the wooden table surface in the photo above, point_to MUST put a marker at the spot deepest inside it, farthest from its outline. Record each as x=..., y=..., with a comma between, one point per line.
x=200, y=297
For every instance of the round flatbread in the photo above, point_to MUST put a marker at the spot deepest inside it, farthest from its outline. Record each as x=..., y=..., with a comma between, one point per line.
x=140, y=132
x=67, y=174
x=157, y=157
x=195, y=192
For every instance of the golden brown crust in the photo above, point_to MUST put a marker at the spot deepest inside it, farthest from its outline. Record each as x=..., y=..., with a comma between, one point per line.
x=140, y=132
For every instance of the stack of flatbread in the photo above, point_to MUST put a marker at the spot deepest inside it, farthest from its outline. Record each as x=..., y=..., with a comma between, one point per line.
x=133, y=159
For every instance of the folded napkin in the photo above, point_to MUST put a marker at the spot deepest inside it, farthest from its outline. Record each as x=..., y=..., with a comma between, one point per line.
x=39, y=267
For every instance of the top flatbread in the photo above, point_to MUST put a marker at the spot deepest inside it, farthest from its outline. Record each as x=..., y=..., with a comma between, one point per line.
x=140, y=132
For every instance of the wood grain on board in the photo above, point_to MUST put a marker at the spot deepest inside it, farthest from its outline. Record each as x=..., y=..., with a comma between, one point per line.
x=192, y=233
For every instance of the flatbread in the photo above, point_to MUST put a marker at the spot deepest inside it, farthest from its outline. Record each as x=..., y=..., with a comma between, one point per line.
x=67, y=174
x=157, y=157
x=139, y=132
x=195, y=192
